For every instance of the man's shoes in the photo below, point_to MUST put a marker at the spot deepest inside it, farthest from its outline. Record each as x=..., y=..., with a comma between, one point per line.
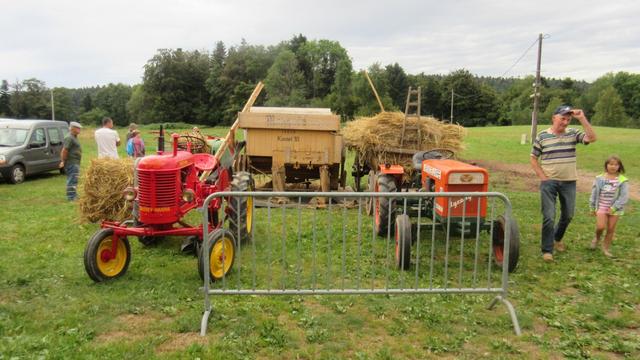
x=594, y=244
x=548, y=257
x=559, y=246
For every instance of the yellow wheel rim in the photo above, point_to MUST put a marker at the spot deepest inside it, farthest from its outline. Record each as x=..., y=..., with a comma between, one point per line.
x=221, y=257
x=249, y=214
x=106, y=265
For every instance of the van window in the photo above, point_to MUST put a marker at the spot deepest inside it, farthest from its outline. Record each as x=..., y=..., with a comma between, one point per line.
x=12, y=137
x=38, y=138
x=65, y=132
x=54, y=136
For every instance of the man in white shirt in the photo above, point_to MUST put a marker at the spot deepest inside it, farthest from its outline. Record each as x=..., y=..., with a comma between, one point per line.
x=107, y=139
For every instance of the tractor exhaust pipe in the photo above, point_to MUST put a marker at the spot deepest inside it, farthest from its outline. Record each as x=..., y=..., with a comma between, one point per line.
x=175, y=143
x=161, y=141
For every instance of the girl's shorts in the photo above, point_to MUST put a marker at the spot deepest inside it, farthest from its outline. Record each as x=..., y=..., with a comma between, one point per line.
x=605, y=212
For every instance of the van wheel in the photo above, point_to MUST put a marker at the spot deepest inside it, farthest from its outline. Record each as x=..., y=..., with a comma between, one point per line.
x=16, y=174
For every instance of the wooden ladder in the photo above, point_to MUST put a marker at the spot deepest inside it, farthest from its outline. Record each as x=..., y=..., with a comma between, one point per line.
x=412, y=110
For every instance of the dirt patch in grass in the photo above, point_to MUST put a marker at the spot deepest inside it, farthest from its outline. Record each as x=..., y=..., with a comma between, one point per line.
x=522, y=177
x=539, y=327
x=181, y=341
x=130, y=328
x=118, y=336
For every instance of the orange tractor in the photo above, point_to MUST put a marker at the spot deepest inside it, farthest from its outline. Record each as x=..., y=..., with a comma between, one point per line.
x=435, y=172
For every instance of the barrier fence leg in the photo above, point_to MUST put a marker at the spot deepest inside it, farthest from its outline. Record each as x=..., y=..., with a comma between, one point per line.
x=512, y=312
x=204, y=322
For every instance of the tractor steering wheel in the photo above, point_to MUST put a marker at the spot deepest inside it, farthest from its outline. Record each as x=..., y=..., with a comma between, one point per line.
x=198, y=144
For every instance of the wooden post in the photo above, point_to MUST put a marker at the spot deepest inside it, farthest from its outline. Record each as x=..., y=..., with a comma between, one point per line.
x=232, y=131
x=325, y=182
x=374, y=91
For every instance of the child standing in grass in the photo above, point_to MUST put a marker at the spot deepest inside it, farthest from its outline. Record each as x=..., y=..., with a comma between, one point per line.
x=609, y=194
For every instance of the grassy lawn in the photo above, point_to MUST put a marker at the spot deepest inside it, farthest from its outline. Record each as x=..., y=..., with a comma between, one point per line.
x=583, y=305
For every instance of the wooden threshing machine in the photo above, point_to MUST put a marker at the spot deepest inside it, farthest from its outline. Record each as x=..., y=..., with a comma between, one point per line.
x=294, y=145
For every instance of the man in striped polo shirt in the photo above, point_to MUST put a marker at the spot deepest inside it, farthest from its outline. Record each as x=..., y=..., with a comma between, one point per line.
x=553, y=158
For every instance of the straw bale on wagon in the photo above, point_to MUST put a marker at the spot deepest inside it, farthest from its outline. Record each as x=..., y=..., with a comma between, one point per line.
x=375, y=138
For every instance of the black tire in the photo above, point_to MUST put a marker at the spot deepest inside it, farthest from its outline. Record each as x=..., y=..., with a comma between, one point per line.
x=371, y=187
x=403, y=241
x=16, y=174
x=240, y=209
x=384, y=206
x=218, y=238
x=97, y=249
x=499, y=227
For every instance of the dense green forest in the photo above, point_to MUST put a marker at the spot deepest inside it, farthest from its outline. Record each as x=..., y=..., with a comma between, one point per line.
x=210, y=86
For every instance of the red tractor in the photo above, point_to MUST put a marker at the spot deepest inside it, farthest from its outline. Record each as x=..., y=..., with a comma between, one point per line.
x=167, y=186
x=434, y=172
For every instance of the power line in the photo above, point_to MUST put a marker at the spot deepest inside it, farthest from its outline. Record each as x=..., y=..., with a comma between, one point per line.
x=523, y=55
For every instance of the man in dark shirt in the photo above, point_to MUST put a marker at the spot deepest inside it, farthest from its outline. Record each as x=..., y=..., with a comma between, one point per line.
x=70, y=157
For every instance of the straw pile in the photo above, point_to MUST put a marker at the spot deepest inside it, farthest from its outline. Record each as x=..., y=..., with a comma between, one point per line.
x=102, y=185
x=375, y=138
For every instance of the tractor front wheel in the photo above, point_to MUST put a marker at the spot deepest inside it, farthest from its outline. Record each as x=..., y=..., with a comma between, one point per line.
x=240, y=208
x=403, y=241
x=221, y=255
x=101, y=261
x=384, y=206
x=499, y=234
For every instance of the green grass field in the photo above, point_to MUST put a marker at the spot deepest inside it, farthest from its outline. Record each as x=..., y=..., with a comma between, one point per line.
x=582, y=305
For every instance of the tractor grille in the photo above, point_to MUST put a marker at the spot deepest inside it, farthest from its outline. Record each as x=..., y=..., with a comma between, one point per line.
x=157, y=189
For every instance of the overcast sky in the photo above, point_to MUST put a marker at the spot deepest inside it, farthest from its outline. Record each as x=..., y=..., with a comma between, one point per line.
x=86, y=43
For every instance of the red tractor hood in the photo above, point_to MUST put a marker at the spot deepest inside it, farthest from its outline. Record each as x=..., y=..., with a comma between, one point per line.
x=166, y=161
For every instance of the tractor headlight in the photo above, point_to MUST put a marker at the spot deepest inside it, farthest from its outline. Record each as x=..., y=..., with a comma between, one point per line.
x=129, y=193
x=188, y=195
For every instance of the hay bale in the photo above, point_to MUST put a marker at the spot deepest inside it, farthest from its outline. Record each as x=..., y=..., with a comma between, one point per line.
x=101, y=190
x=375, y=138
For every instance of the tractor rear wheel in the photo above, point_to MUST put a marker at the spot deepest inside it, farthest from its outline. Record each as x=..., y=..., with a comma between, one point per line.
x=241, y=208
x=499, y=229
x=403, y=242
x=99, y=262
x=384, y=206
x=371, y=187
x=221, y=255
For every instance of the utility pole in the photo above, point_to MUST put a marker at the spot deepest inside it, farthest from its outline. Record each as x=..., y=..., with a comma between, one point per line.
x=451, y=116
x=53, y=108
x=536, y=93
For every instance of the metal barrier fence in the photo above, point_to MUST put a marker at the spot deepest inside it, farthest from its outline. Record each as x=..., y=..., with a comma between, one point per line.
x=295, y=247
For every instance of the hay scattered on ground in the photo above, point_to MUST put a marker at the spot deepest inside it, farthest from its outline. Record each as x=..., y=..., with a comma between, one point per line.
x=101, y=190
x=375, y=138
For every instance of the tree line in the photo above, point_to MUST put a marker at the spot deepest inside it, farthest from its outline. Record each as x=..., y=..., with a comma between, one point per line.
x=209, y=87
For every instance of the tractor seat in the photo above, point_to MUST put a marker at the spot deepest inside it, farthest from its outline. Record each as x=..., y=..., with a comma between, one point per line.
x=429, y=155
x=204, y=162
